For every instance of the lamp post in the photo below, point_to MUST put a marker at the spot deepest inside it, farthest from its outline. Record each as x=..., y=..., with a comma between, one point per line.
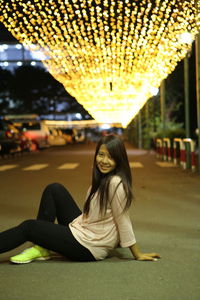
x=197, y=62
x=139, y=130
x=186, y=38
x=147, y=127
x=186, y=96
x=163, y=108
x=197, y=56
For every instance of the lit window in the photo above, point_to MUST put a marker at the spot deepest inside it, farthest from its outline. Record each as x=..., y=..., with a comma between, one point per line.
x=39, y=55
x=18, y=46
x=78, y=116
x=5, y=46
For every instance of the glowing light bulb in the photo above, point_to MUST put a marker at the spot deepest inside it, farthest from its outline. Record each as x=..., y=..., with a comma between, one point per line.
x=110, y=55
x=186, y=38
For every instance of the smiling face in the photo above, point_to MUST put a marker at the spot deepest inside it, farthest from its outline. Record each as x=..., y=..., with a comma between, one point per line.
x=104, y=161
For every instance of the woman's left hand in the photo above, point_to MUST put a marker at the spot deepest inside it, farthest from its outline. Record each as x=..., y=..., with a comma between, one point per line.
x=138, y=255
x=148, y=257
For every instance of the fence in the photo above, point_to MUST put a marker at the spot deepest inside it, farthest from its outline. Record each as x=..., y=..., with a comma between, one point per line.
x=178, y=151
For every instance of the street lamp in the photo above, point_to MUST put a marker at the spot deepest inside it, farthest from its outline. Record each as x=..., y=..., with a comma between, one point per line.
x=163, y=108
x=197, y=54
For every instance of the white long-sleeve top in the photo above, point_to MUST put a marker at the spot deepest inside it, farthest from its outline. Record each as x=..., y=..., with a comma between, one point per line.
x=102, y=234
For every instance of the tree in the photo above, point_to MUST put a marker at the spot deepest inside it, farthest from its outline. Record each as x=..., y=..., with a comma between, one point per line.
x=33, y=90
x=5, y=83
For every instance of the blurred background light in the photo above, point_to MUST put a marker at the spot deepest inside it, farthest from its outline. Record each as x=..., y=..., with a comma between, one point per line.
x=110, y=55
x=18, y=46
x=186, y=38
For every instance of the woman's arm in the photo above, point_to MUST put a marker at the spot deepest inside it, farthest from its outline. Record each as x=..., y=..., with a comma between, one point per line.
x=124, y=224
x=138, y=255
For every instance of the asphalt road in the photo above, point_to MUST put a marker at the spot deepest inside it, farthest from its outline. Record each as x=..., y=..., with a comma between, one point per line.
x=165, y=217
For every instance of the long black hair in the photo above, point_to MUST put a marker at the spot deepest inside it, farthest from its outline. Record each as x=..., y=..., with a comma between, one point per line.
x=100, y=181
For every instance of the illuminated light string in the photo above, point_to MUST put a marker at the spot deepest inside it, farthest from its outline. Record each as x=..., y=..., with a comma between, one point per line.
x=108, y=54
x=198, y=14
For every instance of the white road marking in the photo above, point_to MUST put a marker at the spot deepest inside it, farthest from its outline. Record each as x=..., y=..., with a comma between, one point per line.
x=7, y=167
x=35, y=167
x=136, y=164
x=165, y=164
x=70, y=166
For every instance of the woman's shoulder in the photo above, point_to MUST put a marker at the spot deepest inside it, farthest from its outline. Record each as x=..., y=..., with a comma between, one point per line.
x=115, y=180
x=116, y=188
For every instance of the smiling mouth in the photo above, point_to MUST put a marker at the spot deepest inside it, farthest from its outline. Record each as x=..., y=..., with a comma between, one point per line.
x=104, y=167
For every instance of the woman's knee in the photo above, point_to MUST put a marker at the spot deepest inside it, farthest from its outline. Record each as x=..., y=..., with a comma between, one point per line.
x=27, y=226
x=54, y=186
x=30, y=228
x=27, y=223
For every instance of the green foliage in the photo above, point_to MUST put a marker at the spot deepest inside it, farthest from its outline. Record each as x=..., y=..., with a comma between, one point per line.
x=152, y=126
x=5, y=82
x=172, y=130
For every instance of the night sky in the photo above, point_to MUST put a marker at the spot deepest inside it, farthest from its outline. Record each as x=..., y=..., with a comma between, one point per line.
x=5, y=35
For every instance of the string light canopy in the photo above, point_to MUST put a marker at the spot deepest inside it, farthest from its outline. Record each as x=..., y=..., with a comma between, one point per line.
x=110, y=55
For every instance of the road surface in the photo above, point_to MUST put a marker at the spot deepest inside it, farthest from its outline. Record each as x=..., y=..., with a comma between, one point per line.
x=165, y=216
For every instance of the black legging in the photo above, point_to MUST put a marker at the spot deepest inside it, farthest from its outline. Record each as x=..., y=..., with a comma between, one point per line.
x=56, y=202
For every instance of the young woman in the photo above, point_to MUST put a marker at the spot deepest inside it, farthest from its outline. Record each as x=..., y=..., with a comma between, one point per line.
x=88, y=236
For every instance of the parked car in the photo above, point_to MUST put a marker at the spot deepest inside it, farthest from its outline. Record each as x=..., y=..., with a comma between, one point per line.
x=80, y=137
x=25, y=143
x=9, y=138
x=36, y=131
x=68, y=135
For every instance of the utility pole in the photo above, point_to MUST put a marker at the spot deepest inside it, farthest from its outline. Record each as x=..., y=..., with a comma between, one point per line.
x=186, y=96
x=147, y=126
x=197, y=61
x=197, y=57
x=162, y=107
x=139, y=130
